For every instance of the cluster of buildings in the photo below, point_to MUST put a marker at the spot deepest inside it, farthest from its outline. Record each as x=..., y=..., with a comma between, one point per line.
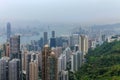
x=113, y=38
x=11, y=62
x=16, y=62
x=45, y=59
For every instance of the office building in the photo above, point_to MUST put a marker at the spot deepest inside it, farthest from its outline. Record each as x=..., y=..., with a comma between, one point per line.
x=41, y=43
x=52, y=42
x=14, y=46
x=45, y=39
x=8, y=31
x=63, y=41
x=53, y=34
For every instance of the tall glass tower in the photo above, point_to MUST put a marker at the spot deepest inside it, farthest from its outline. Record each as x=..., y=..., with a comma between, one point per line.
x=8, y=31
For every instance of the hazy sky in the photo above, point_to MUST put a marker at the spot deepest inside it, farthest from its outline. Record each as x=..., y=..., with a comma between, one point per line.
x=67, y=11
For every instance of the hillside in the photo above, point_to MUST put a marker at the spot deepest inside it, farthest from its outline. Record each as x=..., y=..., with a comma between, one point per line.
x=103, y=63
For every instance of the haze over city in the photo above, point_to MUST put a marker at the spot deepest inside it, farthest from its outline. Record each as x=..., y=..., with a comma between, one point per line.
x=59, y=39
x=60, y=11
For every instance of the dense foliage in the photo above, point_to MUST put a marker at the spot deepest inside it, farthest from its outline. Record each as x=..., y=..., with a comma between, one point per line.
x=102, y=63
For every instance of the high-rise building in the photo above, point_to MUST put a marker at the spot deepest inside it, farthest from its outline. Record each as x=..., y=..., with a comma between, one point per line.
x=33, y=70
x=57, y=51
x=103, y=38
x=14, y=70
x=76, y=48
x=67, y=53
x=53, y=34
x=64, y=75
x=83, y=44
x=24, y=53
x=53, y=40
x=7, y=49
x=14, y=46
x=41, y=43
x=15, y=52
x=74, y=39
x=52, y=69
x=4, y=68
x=45, y=53
x=45, y=38
x=8, y=31
x=28, y=60
x=76, y=61
x=49, y=64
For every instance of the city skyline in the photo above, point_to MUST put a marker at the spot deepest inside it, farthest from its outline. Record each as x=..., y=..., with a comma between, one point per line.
x=59, y=40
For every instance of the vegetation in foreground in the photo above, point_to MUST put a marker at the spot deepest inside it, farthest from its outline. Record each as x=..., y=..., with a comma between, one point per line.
x=103, y=63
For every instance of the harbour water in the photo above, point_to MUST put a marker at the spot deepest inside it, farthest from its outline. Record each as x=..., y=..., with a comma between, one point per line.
x=24, y=39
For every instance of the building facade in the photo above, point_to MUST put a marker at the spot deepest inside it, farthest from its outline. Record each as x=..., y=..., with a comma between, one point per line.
x=14, y=70
x=49, y=64
x=33, y=70
x=8, y=31
x=4, y=68
x=14, y=46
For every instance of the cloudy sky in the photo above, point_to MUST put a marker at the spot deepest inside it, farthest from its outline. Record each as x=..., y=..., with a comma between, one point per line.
x=66, y=11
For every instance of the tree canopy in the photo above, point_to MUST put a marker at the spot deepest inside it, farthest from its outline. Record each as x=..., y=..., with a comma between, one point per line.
x=102, y=63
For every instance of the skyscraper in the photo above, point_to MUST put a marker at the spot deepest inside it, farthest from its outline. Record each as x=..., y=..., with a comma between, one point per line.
x=28, y=60
x=49, y=64
x=76, y=61
x=33, y=70
x=52, y=69
x=62, y=73
x=103, y=37
x=53, y=34
x=83, y=44
x=24, y=53
x=41, y=43
x=45, y=53
x=8, y=31
x=15, y=52
x=14, y=46
x=53, y=40
x=7, y=49
x=4, y=68
x=45, y=39
x=14, y=70
x=74, y=39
